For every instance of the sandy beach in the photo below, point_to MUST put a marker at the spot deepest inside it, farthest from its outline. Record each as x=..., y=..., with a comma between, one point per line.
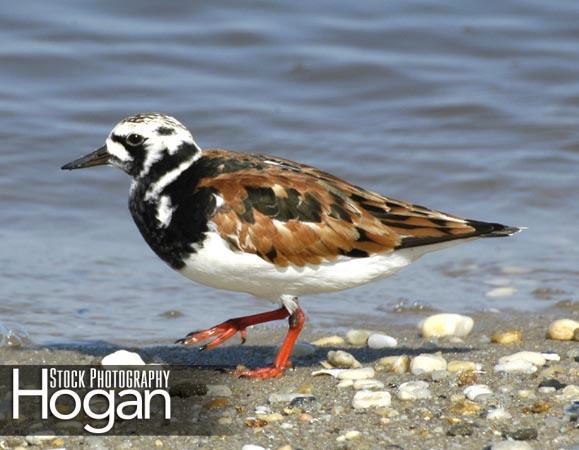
x=306, y=411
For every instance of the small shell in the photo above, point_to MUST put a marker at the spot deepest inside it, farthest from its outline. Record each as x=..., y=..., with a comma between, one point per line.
x=369, y=399
x=476, y=390
x=562, y=329
x=378, y=341
x=347, y=374
x=441, y=325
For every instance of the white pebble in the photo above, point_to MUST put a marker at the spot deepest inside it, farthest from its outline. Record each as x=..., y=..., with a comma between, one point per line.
x=358, y=337
x=368, y=399
x=440, y=325
x=551, y=356
x=329, y=341
x=396, y=364
x=252, y=447
x=516, y=366
x=569, y=393
x=498, y=414
x=345, y=384
x=377, y=341
x=562, y=329
x=455, y=366
x=349, y=436
x=535, y=358
x=475, y=390
x=427, y=363
x=370, y=384
x=343, y=360
x=347, y=374
x=413, y=390
x=503, y=291
x=511, y=445
x=123, y=358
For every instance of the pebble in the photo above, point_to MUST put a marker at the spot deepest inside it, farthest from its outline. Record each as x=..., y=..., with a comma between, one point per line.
x=526, y=393
x=507, y=337
x=345, y=384
x=572, y=411
x=347, y=374
x=440, y=325
x=510, y=445
x=427, y=363
x=498, y=414
x=252, y=447
x=358, y=337
x=273, y=417
x=123, y=358
x=378, y=341
x=523, y=434
x=476, y=390
x=413, y=390
x=460, y=366
x=516, y=366
x=286, y=397
x=562, y=329
x=461, y=429
x=329, y=341
x=465, y=408
x=349, y=436
x=552, y=383
x=503, y=291
x=538, y=408
x=369, y=399
x=553, y=371
x=369, y=384
x=569, y=393
x=534, y=358
x=343, y=360
x=394, y=364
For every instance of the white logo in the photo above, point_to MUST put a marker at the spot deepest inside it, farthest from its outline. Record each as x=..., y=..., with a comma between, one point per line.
x=120, y=389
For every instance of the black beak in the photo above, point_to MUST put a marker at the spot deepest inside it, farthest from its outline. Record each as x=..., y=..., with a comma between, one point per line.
x=97, y=158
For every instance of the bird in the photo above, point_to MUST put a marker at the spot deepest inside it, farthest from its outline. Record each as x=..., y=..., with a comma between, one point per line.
x=264, y=225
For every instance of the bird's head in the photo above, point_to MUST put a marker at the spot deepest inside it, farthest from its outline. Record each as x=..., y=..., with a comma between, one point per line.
x=139, y=143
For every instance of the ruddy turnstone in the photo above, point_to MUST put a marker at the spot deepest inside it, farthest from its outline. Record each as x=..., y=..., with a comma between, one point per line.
x=264, y=225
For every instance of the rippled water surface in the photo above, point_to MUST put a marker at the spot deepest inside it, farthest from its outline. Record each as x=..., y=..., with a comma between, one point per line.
x=469, y=107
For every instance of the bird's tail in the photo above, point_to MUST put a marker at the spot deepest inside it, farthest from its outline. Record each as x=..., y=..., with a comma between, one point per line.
x=486, y=229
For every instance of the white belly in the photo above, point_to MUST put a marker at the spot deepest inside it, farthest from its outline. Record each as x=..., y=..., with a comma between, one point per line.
x=216, y=265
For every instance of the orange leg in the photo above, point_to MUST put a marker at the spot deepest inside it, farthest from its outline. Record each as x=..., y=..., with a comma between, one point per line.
x=296, y=323
x=229, y=328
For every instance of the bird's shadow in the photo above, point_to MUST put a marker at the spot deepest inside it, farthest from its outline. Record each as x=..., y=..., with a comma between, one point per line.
x=249, y=355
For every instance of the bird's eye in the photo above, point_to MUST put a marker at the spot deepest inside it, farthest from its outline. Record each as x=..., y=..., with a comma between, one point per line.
x=135, y=139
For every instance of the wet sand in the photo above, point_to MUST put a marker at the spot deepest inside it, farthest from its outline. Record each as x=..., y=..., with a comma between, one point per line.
x=444, y=421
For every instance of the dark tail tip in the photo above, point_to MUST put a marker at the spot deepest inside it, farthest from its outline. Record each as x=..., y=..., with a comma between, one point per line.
x=486, y=229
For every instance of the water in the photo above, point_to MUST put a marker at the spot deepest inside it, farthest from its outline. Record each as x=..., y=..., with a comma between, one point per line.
x=469, y=107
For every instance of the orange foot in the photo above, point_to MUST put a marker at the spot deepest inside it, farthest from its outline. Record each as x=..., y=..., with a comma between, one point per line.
x=221, y=332
x=263, y=372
